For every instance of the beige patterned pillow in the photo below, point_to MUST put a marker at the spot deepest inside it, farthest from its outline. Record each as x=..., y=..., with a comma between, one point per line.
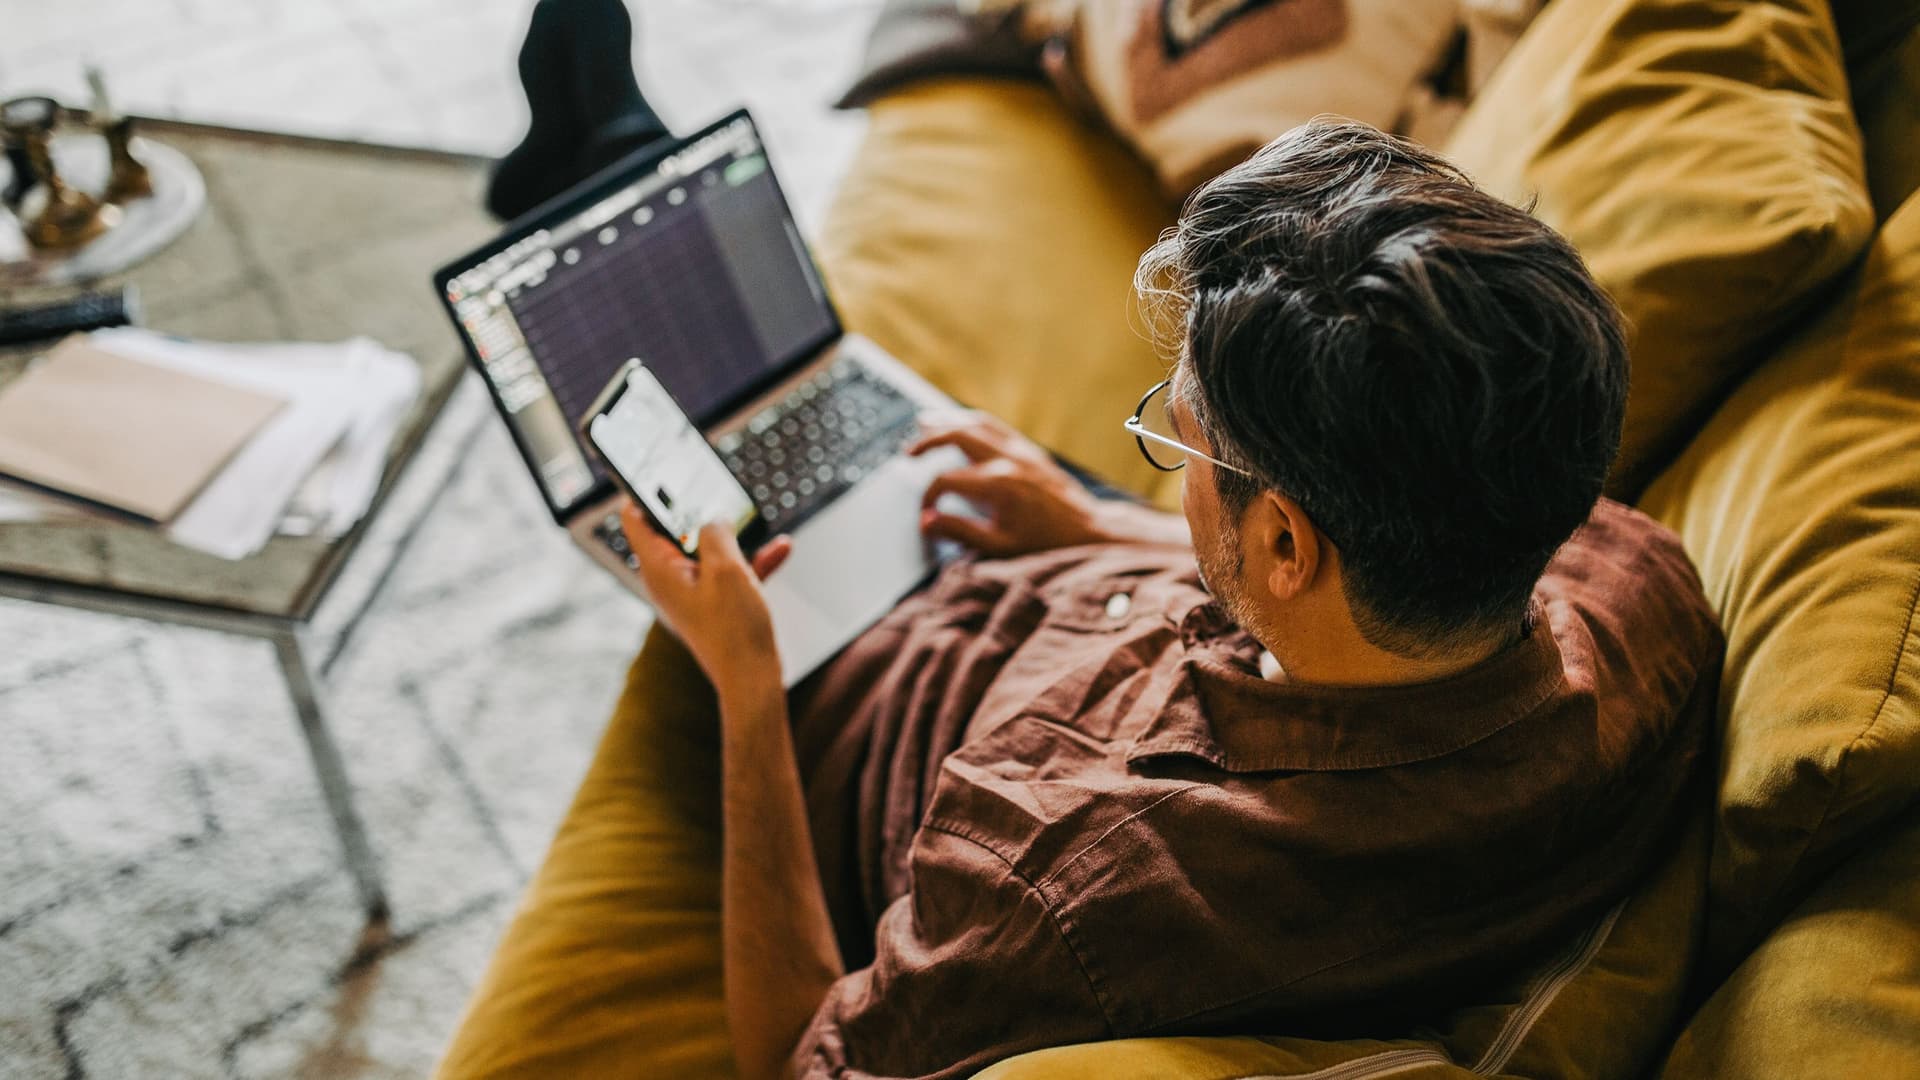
x=1197, y=85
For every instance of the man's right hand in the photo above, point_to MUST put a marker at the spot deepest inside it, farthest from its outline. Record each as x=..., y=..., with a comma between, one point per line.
x=1030, y=503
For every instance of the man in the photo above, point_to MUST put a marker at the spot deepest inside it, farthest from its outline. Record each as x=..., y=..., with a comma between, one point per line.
x=1395, y=705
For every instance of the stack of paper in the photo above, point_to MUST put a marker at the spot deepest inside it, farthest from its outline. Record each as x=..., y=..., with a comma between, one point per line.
x=313, y=467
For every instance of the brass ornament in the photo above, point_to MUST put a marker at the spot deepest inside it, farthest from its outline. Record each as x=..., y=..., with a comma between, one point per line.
x=129, y=179
x=67, y=217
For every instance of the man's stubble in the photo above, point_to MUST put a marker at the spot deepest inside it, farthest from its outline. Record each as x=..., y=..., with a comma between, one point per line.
x=1223, y=572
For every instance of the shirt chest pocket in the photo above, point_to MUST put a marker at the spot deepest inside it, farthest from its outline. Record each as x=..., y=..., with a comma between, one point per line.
x=1082, y=648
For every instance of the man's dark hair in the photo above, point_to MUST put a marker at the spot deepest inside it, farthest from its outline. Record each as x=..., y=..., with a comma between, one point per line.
x=1430, y=372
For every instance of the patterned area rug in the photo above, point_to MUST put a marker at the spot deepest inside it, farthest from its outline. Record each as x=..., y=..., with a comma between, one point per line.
x=172, y=901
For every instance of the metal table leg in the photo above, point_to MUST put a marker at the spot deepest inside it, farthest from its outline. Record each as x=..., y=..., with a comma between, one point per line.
x=327, y=764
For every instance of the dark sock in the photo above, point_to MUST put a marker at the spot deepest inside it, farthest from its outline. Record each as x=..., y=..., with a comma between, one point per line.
x=604, y=88
x=530, y=172
x=587, y=110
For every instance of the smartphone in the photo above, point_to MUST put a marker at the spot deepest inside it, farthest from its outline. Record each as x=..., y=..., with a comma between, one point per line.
x=664, y=464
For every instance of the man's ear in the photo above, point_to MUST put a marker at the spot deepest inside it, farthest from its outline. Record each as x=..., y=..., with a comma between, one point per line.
x=1288, y=542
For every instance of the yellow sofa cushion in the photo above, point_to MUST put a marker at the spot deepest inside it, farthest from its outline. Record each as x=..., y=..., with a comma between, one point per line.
x=1886, y=98
x=1834, y=991
x=1702, y=156
x=988, y=239
x=611, y=966
x=1800, y=503
x=1870, y=29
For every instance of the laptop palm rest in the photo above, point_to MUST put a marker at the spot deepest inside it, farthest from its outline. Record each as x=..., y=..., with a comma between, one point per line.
x=851, y=562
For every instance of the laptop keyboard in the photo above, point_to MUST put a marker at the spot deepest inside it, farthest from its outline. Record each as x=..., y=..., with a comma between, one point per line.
x=824, y=437
x=804, y=450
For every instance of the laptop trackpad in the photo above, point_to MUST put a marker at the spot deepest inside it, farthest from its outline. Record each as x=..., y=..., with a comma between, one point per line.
x=851, y=562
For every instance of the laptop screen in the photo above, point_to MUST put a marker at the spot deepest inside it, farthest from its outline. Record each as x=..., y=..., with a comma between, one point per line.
x=686, y=258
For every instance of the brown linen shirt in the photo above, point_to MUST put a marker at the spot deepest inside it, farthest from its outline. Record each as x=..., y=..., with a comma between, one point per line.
x=1054, y=801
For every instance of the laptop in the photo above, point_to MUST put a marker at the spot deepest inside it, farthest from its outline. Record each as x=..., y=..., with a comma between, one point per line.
x=686, y=257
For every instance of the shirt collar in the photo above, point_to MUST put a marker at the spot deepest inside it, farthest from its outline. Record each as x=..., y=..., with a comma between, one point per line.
x=1217, y=707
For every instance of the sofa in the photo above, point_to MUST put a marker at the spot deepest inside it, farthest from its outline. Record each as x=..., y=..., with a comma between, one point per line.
x=1741, y=175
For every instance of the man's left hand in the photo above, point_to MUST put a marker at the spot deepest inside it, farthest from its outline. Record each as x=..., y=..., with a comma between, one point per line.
x=1030, y=502
x=713, y=604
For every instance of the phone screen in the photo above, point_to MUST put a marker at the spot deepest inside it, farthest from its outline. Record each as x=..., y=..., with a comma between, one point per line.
x=666, y=463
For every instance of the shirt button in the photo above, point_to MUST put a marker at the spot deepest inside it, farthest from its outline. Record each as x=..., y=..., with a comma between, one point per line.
x=1118, y=605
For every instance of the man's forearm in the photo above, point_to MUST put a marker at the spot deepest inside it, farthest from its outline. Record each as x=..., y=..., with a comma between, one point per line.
x=779, y=954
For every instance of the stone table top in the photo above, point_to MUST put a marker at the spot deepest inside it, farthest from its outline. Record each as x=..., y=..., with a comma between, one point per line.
x=302, y=240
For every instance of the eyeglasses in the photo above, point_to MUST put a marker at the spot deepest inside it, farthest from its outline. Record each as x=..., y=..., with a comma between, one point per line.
x=1152, y=427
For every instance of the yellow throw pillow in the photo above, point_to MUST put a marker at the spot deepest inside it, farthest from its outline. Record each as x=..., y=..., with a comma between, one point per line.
x=1702, y=155
x=1800, y=502
x=988, y=239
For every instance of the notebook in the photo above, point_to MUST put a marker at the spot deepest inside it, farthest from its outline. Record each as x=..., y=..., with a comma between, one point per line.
x=123, y=433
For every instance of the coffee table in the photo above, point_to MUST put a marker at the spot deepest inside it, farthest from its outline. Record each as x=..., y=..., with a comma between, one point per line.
x=302, y=240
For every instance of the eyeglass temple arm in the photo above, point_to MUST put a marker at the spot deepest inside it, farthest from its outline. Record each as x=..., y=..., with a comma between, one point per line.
x=1134, y=425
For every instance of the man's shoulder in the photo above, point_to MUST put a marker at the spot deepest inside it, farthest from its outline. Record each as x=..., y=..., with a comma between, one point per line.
x=1639, y=641
x=1621, y=535
x=1624, y=568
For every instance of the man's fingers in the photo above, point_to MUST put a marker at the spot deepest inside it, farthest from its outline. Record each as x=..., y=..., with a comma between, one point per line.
x=941, y=419
x=635, y=525
x=973, y=440
x=771, y=555
x=997, y=426
x=979, y=535
x=719, y=546
x=975, y=482
x=656, y=554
